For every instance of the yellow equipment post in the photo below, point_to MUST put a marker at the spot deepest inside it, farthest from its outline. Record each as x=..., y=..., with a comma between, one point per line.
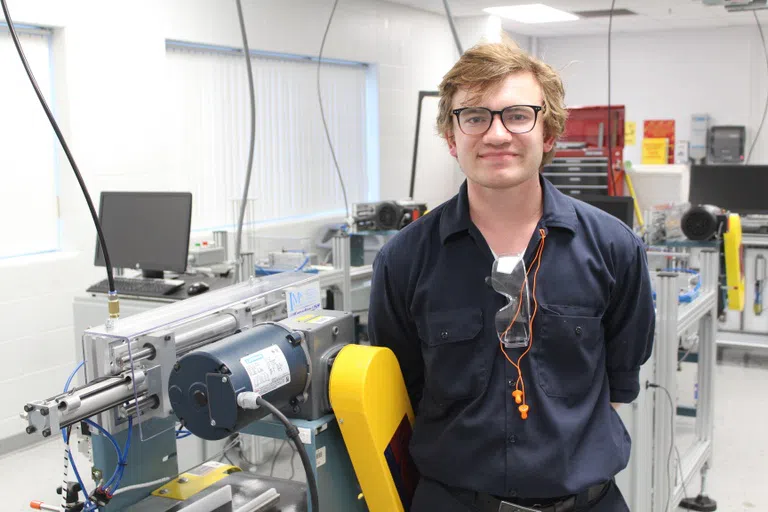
x=734, y=263
x=370, y=401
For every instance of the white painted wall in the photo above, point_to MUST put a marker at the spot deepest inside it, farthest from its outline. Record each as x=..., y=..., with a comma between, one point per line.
x=109, y=76
x=669, y=75
x=433, y=154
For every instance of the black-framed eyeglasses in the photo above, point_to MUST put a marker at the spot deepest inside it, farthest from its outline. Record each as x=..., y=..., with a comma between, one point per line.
x=516, y=118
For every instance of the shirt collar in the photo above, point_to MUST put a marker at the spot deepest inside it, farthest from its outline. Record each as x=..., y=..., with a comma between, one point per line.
x=558, y=211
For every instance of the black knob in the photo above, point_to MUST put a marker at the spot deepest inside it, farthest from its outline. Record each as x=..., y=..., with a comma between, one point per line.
x=31, y=429
x=294, y=338
x=44, y=411
x=29, y=408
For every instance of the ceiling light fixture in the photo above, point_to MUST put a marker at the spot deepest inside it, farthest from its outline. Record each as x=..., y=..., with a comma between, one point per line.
x=531, y=13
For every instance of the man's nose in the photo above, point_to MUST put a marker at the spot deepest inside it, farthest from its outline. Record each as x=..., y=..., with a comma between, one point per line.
x=497, y=133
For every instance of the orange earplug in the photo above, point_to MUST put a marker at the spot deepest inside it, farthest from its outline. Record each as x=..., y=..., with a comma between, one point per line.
x=523, y=411
x=518, y=396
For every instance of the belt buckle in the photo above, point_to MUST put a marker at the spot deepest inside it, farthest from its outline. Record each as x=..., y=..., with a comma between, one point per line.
x=506, y=506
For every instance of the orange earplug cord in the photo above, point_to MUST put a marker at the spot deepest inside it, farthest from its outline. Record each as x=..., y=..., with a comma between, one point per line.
x=519, y=392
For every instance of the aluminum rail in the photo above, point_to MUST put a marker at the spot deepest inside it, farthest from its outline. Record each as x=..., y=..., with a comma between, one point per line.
x=199, y=333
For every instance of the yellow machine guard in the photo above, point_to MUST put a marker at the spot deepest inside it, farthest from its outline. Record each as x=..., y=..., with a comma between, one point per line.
x=369, y=398
x=734, y=263
x=192, y=482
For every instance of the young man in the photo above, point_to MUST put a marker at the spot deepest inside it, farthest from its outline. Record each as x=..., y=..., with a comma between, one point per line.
x=499, y=428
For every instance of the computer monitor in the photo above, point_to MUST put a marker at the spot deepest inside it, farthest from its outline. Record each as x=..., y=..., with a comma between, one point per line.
x=621, y=207
x=146, y=230
x=740, y=189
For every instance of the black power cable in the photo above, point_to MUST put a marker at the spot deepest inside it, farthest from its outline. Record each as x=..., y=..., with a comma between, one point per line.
x=456, y=39
x=672, y=438
x=60, y=136
x=322, y=112
x=293, y=434
x=765, y=108
x=610, y=138
x=252, y=142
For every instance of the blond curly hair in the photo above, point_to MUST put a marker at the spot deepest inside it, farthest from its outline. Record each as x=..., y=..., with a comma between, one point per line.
x=486, y=65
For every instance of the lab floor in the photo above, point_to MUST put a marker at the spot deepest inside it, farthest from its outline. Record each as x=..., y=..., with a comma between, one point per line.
x=738, y=479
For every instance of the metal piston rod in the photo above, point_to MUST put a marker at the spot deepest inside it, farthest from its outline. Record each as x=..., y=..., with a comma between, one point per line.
x=68, y=408
x=197, y=334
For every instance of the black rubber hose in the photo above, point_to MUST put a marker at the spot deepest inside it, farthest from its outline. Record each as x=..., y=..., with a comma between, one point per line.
x=251, y=141
x=64, y=145
x=322, y=111
x=293, y=434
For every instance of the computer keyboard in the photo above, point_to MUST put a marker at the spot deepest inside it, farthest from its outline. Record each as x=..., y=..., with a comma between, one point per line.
x=139, y=286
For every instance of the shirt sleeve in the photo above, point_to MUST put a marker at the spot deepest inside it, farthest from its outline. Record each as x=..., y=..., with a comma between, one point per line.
x=629, y=327
x=389, y=323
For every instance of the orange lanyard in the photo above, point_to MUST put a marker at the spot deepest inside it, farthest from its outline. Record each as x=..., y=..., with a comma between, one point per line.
x=519, y=392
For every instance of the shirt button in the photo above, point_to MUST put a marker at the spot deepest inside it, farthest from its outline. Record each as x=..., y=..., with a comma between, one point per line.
x=578, y=331
x=512, y=439
x=444, y=334
x=510, y=383
x=512, y=493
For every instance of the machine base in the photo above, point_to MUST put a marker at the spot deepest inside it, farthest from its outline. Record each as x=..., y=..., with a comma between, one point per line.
x=245, y=487
x=702, y=503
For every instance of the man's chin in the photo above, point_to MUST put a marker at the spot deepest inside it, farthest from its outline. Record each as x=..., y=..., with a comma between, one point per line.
x=502, y=180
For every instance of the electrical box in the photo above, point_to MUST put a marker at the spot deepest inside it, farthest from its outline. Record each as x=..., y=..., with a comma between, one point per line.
x=726, y=144
x=206, y=255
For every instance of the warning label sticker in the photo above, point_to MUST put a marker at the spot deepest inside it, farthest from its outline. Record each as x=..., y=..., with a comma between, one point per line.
x=268, y=369
x=206, y=468
x=319, y=320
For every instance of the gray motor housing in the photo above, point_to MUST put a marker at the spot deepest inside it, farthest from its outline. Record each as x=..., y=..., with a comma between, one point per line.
x=325, y=333
x=204, y=385
x=267, y=358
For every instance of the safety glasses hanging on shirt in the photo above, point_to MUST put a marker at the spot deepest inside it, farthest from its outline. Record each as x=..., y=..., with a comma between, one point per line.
x=509, y=278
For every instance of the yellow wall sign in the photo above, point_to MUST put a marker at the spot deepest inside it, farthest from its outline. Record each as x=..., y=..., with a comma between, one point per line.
x=630, y=133
x=655, y=151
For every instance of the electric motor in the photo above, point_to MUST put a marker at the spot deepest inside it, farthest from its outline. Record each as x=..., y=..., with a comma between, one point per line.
x=268, y=359
x=703, y=222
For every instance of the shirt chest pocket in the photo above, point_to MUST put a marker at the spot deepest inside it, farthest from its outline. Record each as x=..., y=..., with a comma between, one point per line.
x=568, y=354
x=454, y=368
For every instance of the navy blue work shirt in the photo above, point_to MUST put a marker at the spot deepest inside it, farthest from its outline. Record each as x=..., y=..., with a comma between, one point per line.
x=593, y=330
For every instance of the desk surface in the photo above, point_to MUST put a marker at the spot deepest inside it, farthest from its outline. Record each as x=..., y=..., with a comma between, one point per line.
x=215, y=283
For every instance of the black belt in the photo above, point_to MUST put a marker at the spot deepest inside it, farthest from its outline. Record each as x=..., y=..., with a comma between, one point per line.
x=489, y=503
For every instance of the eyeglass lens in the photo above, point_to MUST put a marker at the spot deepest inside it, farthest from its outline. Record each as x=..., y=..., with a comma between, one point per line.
x=517, y=119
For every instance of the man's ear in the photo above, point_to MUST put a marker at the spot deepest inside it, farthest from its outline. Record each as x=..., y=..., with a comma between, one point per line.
x=451, y=140
x=549, y=144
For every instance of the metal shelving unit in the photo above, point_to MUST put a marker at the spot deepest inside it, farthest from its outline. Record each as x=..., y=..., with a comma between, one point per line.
x=647, y=483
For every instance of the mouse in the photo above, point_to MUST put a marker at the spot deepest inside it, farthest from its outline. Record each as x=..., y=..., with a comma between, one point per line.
x=198, y=288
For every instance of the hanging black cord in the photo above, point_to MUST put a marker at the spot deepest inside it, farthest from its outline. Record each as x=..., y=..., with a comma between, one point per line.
x=765, y=108
x=60, y=136
x=251, y=143
x=322, y=112
x=455, y=34
x=610, y=134
x=293, y=434
x=672, y=446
